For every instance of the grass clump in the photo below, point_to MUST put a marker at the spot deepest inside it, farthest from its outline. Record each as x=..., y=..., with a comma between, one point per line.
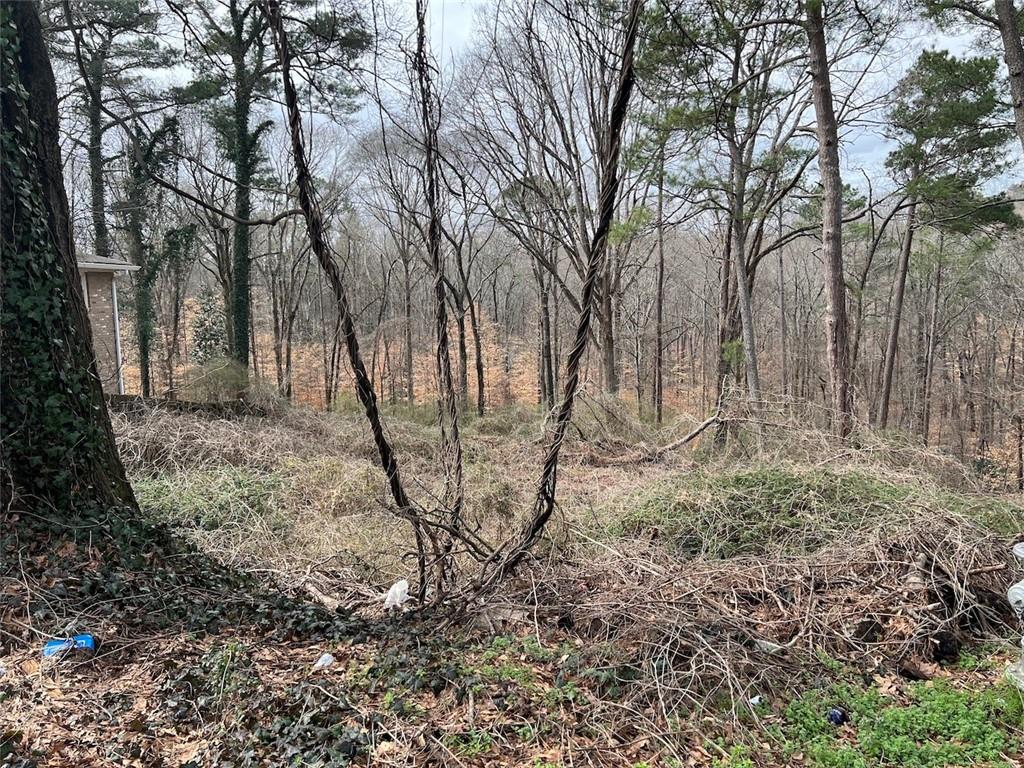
x=999, y=515
x=787, y=510
x=306, y=509
x=332, y=487
x=214, y=499
x=509, y=420
x=492, y=498
x=470, y=743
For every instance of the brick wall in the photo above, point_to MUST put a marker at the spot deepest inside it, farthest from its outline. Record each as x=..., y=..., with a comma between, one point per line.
x=99, y=289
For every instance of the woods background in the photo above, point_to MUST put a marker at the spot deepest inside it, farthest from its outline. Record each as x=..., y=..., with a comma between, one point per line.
x=718, y=177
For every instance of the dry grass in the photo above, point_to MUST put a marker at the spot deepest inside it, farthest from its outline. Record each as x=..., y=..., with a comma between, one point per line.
x=781, y=527
x=157, y=440
x=666, y=594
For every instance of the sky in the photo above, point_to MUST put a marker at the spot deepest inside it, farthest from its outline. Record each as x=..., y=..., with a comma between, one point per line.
x=451, y=24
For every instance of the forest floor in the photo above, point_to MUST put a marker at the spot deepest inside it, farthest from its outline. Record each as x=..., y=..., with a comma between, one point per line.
x=781, y=602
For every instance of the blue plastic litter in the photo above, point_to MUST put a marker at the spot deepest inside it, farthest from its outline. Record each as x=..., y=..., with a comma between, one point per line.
x=76, y=644
x=838, y=716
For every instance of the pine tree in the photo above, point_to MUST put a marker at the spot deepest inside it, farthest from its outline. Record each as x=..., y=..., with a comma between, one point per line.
x=947, y=117
x=237, y=68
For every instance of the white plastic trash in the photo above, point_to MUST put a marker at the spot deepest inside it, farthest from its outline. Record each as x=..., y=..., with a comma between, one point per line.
x=397, y=595
x=1018, y=552
x=1015, y=595
x=1015, y=674
x=323, y=662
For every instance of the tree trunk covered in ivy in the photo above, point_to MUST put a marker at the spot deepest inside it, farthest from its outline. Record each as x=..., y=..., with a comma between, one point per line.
x=243, y=162
x=98, y=193
x=144, y=322
x=58, y=447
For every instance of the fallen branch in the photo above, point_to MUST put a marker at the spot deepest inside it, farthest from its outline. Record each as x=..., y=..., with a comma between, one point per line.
x=647, y=455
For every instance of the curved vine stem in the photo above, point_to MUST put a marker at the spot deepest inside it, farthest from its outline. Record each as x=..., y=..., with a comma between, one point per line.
x=506, y=560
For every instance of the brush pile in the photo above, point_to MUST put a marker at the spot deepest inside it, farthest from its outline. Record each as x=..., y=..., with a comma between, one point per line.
x=900, y=598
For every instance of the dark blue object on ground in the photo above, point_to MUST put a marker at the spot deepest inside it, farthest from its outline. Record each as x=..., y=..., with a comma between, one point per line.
x=837, y=716
x=77, y=644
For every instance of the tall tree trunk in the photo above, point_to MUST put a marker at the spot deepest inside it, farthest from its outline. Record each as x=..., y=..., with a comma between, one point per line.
x=746, y=311
x=609, y=367
x=478, y=356
x=288, y=336
x=929, y=358
x=144, y=331
x=547, y=373
x=460, y=327
x=638, y=361
x=252, y=346
x=783, y=331
x=743, y=298
x=174, y=342
x=56, y=436
x=97, y=189
x=556, y=341
x=837, y=341
x=1014, y=407
x=325, y=356
x=144, y=278
x=659, y=299
x=724, y=358
x=889, y=362
x=410, y=384
x=1010, y=29
x=243, y=161
x=278, y=330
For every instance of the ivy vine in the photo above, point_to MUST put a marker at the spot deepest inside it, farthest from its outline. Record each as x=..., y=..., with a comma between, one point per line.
x=52, y=436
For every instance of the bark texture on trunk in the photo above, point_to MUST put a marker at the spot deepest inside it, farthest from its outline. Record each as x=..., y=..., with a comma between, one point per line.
x=1009, y=20
x=837, y=335
x=460, y=328
x=243, y=163
x=896, y=312
x=547, y=372
x=932, y=342
x=659, y=299
x=97, y=190
x=609, y=365
x=478, y=357
x=56, y=436
x=410, y=382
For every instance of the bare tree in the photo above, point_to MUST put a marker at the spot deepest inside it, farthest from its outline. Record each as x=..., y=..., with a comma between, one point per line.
x=544, y=503
x=827, y=129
